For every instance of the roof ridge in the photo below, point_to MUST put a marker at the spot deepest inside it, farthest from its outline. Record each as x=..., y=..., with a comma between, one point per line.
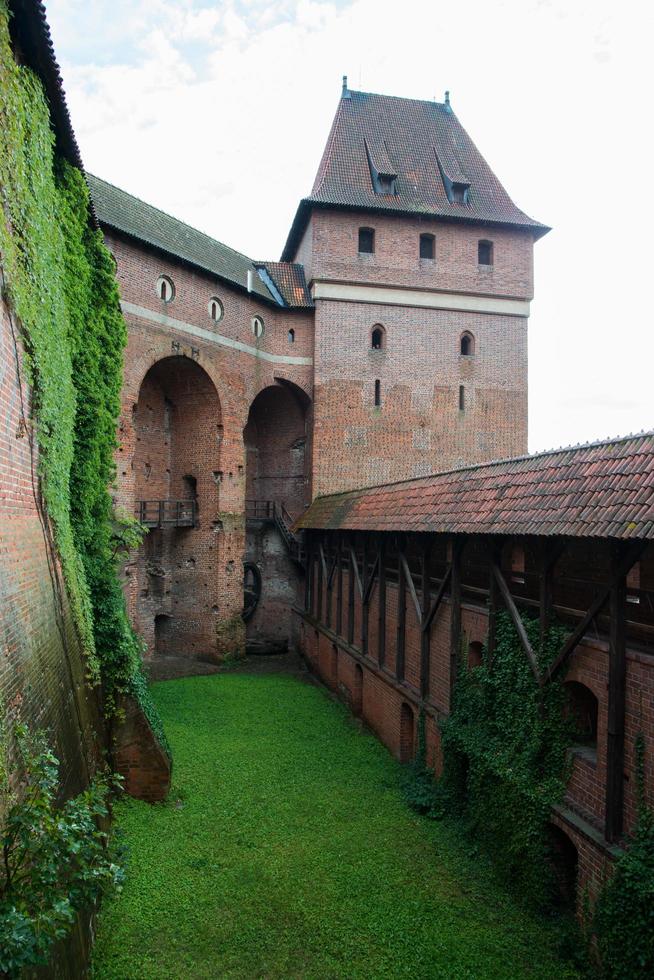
x=172, y=217
x=402, y=98
x=645, y=433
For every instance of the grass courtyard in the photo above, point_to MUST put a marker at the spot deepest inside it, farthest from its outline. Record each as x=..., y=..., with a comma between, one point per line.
x=286, y=851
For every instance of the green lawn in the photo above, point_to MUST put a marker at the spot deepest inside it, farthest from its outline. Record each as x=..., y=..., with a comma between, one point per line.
x=286, y=850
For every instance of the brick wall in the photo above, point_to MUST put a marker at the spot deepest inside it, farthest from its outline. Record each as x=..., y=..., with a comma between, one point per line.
x=42, y=670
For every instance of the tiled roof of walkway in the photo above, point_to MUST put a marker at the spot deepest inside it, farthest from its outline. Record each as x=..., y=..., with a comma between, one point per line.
x=603, y=489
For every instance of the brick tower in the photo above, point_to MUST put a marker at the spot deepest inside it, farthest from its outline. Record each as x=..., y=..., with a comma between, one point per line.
x=420, y=267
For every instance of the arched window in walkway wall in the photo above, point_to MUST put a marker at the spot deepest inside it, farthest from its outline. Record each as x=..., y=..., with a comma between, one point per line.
x=583, y=711
x=407, y=733
x=564, y=860
x=277, y=461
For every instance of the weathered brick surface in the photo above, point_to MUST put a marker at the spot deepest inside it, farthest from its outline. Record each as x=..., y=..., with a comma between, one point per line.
x=42, y=670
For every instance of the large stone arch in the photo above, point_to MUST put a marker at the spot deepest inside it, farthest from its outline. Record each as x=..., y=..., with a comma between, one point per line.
x=183, y=570
x=277, y=448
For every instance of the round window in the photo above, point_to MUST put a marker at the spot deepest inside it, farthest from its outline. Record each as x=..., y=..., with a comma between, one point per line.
x=165, y=289
x=257, y=326
x=216, y=309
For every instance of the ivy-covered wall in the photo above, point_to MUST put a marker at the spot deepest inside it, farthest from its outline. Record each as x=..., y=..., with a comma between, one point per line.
x=61, y=300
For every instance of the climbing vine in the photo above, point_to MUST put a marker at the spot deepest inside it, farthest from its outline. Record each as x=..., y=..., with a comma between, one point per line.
x=505, y=762
x=59, y=281
x=624, y=913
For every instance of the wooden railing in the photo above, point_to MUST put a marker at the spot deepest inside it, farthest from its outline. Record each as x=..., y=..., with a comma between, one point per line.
x=166, y=513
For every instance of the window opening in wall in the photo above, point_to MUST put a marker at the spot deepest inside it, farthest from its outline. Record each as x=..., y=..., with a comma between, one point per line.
x=377, y=338
x=583, y=710
x=165, y=289
x=518, y=564
x=633, y=584
x=475, y=654
x=407, y=750
x=462, y=398
x=427, y=246
x=366, y=241
x=564, y=860
x=485, y=253
x=291, y=336
x=257, y=326
x=377, y=393
x=216, y=309
x=467, y=344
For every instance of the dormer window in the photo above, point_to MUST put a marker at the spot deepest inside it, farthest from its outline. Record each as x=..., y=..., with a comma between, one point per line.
x=382, y=172
x=366, y=241
x=427, y=246
x=485, y=253
x=455, y=182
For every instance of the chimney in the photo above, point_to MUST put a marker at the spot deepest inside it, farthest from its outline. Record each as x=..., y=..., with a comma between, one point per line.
x=346, y=92
x=250, y=280
x=448, y=107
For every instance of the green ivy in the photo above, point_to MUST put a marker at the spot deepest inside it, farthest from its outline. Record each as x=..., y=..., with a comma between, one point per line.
x=56, y=860
x=624, y=914
x=505, y=762
x=59, y=280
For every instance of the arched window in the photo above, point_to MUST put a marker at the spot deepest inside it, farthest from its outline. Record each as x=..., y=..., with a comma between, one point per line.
x=485, y=252
x=377, y=393
x=467, y=343
x=257, y=326
x=165, y=289
x=366, y=241
x=291, y=336
x=215, y=309
x=427, y=246
x=377, y=337
x=582, y=711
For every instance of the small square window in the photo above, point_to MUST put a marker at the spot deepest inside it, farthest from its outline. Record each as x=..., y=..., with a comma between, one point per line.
x=366, y=241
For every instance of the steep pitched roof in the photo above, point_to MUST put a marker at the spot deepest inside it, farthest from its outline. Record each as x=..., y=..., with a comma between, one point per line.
x=418, y=142
x=603, y=489
x=120, y=210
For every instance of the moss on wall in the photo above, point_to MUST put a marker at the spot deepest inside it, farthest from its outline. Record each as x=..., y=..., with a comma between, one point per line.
x=59, y=281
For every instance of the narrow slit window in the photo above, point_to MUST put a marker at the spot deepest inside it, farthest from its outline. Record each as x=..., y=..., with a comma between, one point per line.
x=462, y=398
x=427, y=246
x=165, y=289
x=377, y=393
x=291, y=336
x=366, y=241
x=485, y=253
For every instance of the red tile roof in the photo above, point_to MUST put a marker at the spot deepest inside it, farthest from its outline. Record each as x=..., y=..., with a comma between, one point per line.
x=409, y=138
x=602, y=489
x=289, y=279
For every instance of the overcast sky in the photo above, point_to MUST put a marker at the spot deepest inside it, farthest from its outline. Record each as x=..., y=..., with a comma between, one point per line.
x=218, y=113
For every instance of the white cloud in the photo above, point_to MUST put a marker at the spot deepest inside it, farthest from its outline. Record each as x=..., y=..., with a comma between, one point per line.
x=219, y=113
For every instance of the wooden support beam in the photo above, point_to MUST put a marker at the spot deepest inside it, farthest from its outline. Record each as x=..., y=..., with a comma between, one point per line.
x=455, y=609
x=364, y=605
x=628, y=558
x=339, y=585
x=617, y=703
x=517, y=620
x=412, y=589
x=425, y=651
x=321, y=566
x=495, y=556
x=381, y=612
x=550, y=552
x=370, y=584
x=438, y=598
x=401, y=621
x=308, y=573
x=355, y=568
x=350, y=594
x=330, y=591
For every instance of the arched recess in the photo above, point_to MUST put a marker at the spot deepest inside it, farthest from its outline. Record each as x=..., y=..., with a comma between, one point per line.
x=357, y=692
x=407, y=734
x=475, y=654
x=583, y=709
x=177, y=430
x=564, y=861
x=276, y=440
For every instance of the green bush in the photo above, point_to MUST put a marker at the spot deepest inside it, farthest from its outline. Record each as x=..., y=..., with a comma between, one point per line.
x=55, y=860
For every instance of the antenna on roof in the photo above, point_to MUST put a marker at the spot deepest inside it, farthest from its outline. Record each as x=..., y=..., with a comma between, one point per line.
x=346, y=93
x=448, y=107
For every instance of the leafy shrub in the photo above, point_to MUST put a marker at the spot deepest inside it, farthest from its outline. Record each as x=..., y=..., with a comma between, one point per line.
x=56, y=860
